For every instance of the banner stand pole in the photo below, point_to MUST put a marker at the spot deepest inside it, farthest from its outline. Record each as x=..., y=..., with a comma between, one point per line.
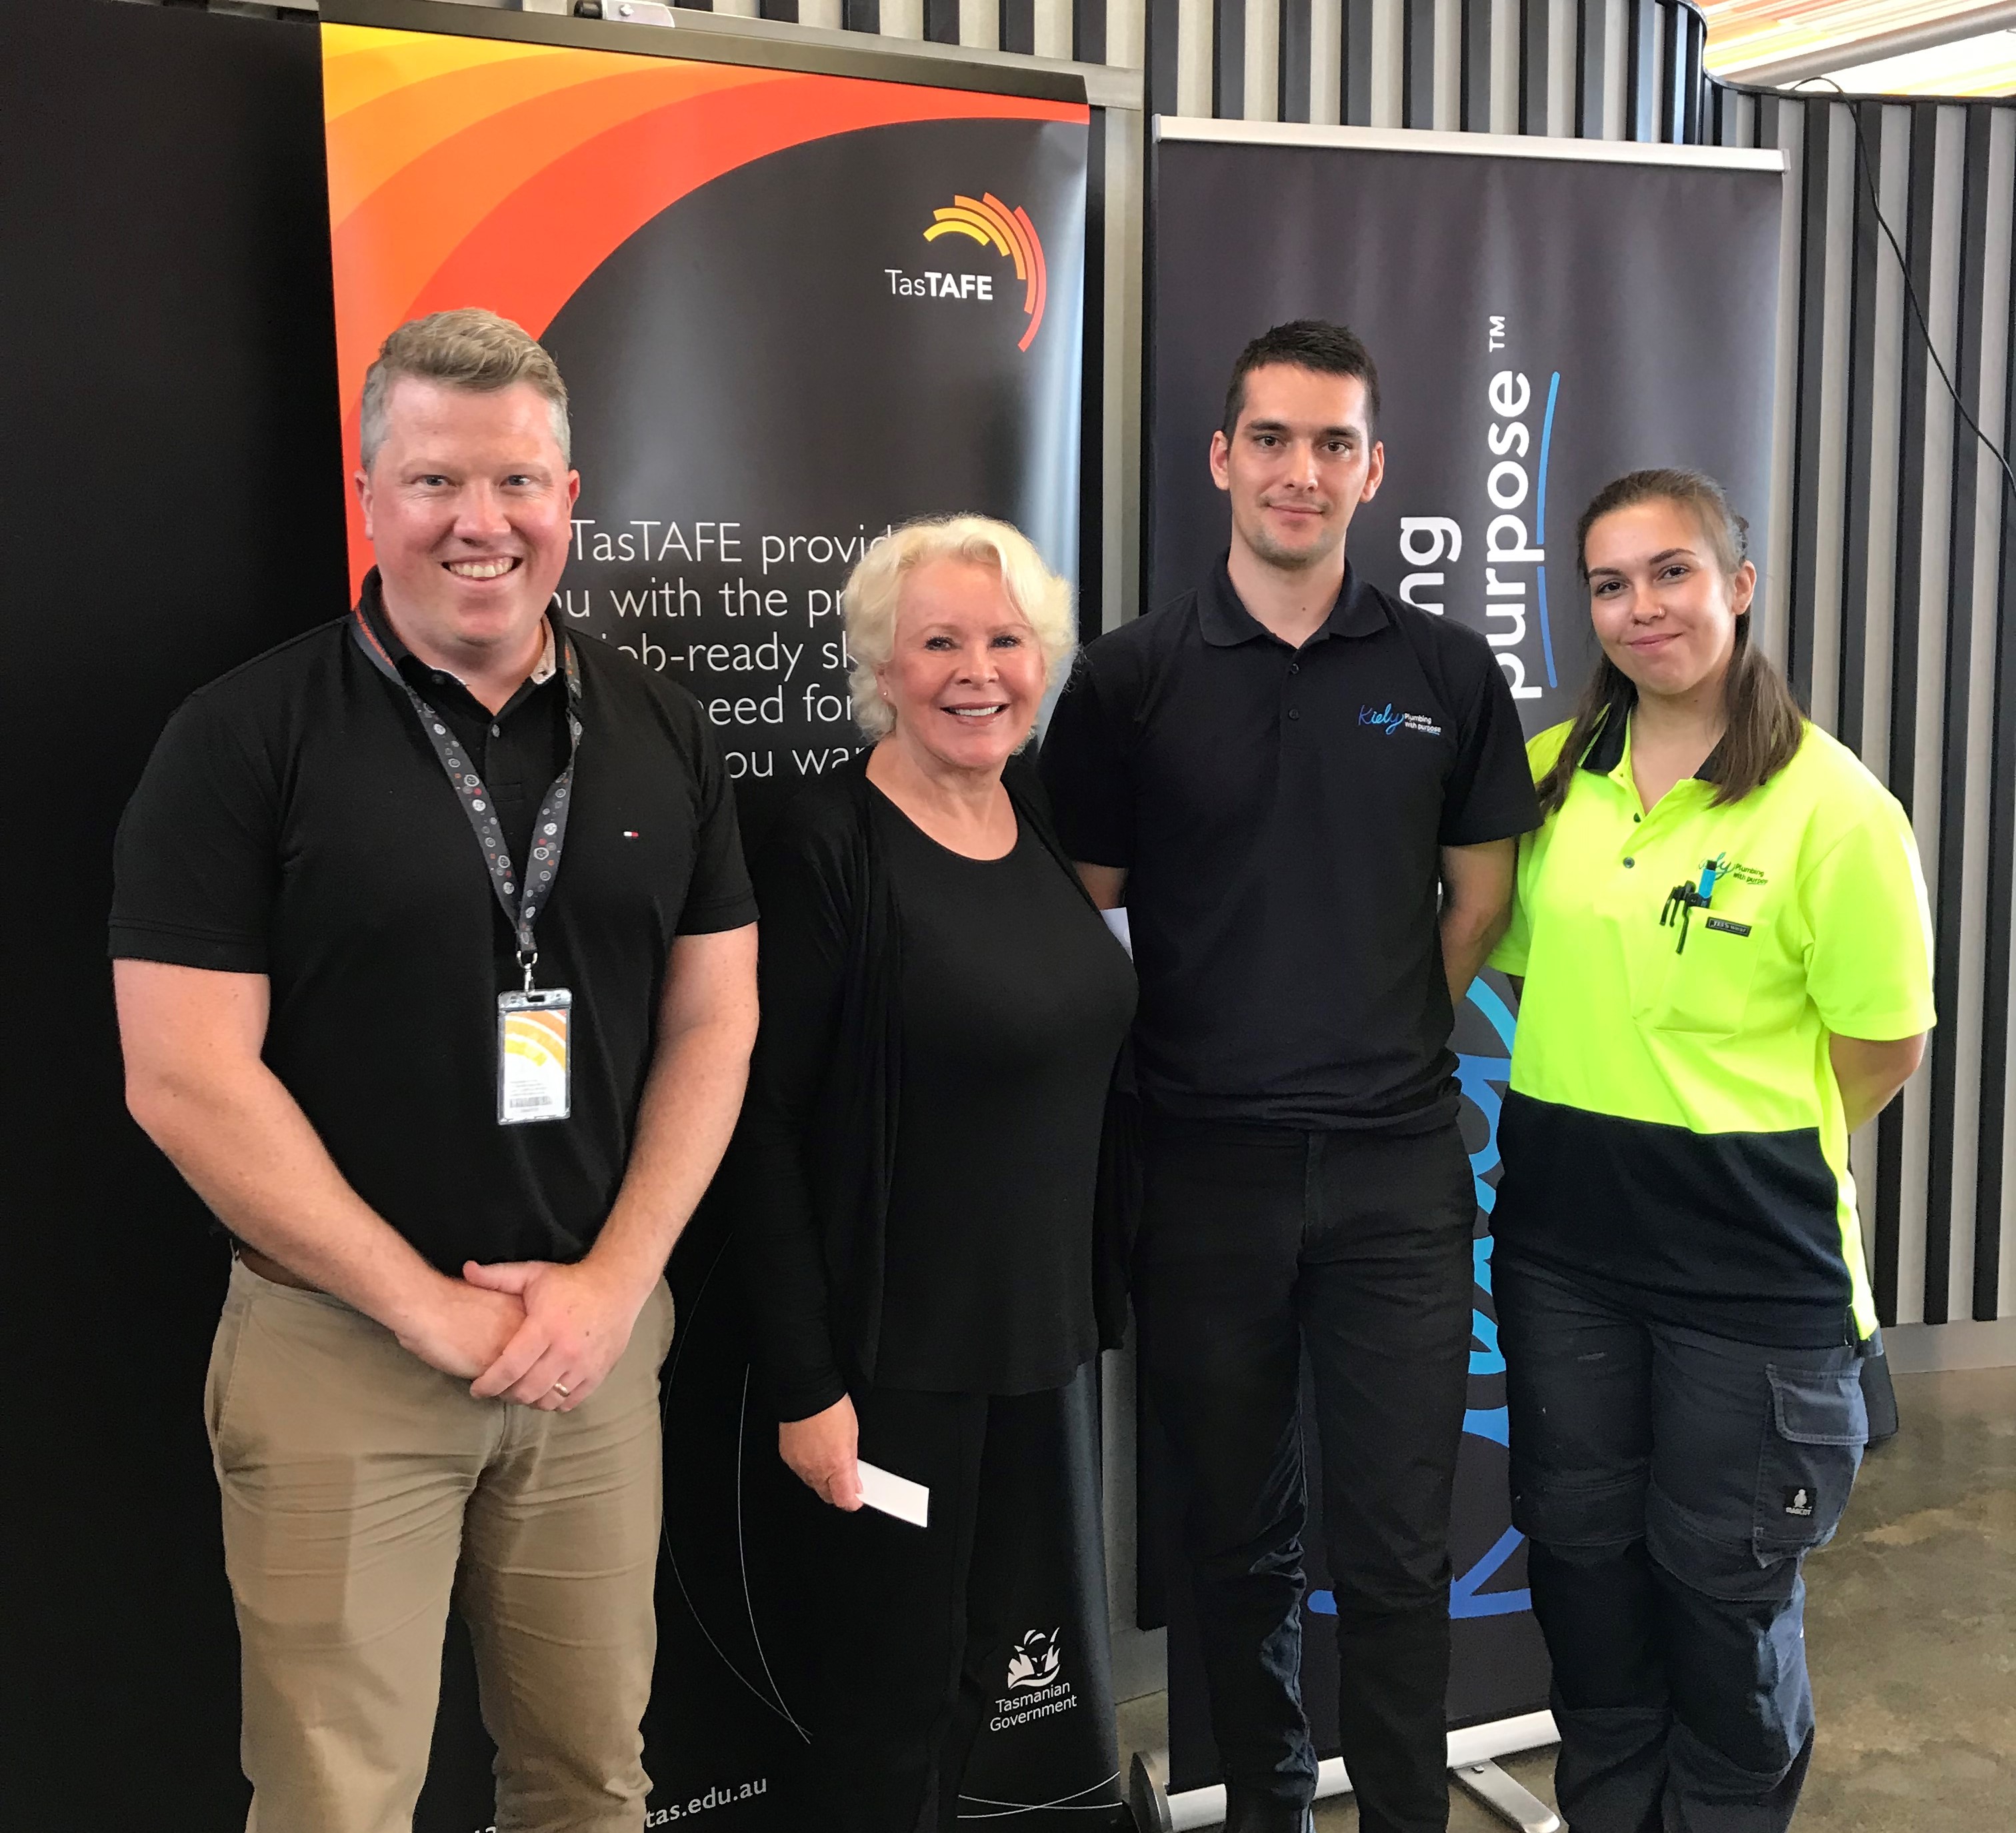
x=1471, y=1751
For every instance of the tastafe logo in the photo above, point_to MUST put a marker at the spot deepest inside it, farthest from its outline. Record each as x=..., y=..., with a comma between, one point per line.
x=1035, y=1662
x=990, y=223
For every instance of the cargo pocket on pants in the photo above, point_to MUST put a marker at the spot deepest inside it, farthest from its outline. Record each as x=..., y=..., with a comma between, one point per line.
x=1812, y=1448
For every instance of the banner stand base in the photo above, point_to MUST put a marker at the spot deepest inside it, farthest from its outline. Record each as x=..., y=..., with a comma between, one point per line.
x=1517, y=1807
x=1471, y=1751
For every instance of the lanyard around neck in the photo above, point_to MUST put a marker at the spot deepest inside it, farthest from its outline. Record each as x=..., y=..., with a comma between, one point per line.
x=522, y=894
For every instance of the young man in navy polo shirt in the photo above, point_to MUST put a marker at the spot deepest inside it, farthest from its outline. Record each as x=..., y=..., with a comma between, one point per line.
x=1307, y=794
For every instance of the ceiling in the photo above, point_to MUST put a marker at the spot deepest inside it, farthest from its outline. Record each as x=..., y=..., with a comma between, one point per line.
x=1923, y=47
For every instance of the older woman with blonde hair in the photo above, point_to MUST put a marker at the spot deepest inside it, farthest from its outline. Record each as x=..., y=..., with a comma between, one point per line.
x=916, y=1166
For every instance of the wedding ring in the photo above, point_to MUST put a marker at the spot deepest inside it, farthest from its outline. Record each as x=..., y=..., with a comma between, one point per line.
x=563, y=1392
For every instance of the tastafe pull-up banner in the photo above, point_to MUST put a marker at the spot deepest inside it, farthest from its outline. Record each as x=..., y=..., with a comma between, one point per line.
x=792, y=306
x=1545, y=315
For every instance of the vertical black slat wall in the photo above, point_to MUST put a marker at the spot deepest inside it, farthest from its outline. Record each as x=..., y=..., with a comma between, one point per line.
x=1864, y=119
x=1807, y=403
x=1666, y=94
x=1964, y=365
x=1993, y=1177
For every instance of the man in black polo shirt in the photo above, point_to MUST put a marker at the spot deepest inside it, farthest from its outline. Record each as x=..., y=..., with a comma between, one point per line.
x=435, y=960
x=1306, y=795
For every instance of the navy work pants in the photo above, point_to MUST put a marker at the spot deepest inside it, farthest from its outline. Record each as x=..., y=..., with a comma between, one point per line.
x=1255, y=1243
x=1671, y=1483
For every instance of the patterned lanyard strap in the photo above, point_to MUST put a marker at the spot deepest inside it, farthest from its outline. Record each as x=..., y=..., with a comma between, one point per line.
x=521, y=895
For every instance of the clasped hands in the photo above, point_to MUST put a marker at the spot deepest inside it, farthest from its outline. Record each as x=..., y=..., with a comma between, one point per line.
x=538, y=1332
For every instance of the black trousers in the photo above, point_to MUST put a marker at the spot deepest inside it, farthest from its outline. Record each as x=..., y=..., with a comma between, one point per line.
x=1254, y=1243
x=921, y=1625
x=1672, y=1484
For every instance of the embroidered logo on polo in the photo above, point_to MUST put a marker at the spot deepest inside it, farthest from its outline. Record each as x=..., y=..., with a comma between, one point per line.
x=1744, y=874
x=1388, y=723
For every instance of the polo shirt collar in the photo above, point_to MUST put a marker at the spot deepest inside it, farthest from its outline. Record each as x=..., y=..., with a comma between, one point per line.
x=1226, y=623
x=371, y=603
x=1611, y=749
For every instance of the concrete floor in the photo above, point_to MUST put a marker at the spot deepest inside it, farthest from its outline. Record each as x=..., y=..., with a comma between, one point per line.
x=1910, y=1634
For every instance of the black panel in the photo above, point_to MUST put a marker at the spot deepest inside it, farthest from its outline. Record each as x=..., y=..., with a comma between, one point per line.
x=1018, y=26
x=1591, y=23
x=1417, y=64
x=1356, y=75
x=1866, y=120
x=1089, y=30
x=1810, y=378
x=1533, y=60
x=170, y=399
x=1474, y=114
x=1228, y=69
x=1092, y=433
x=1160, y=52
x=1641, y=95
x=1293, y=84
x=856, y=15
x=941, y=21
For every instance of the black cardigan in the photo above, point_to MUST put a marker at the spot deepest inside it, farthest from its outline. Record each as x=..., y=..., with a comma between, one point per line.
x=809, y=1174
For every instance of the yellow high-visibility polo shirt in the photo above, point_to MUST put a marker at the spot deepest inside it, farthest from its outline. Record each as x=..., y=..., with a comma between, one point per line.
x=1673, y=1128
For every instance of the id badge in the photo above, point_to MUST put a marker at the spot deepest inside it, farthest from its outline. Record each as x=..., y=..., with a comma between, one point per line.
x=532, y=1055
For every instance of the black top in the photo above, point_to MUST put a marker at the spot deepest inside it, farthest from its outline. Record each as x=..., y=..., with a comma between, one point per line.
x=1278, y=813
x=827, y=1151
x=294, y=821
x=1015, y=999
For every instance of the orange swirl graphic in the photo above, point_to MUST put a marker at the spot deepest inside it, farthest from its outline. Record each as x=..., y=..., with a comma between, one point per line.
x=988, y=220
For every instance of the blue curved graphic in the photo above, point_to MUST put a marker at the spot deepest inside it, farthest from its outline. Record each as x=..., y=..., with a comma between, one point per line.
x=1540, y=526
x=1482, y=1080
x=1466, y=1595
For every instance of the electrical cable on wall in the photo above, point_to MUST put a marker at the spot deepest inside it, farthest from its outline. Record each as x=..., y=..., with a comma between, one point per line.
x=1904, y=267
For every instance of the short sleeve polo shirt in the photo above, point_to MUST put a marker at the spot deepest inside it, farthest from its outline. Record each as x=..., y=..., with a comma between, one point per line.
x=1673, y=1124
x=1280, y=814
x=294, y=821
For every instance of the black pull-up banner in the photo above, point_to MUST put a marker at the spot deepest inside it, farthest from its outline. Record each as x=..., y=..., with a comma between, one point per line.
x=1545, y=315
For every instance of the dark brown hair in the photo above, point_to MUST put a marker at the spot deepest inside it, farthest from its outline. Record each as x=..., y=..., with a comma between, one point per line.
x=1304, y=343
x=1763, y=724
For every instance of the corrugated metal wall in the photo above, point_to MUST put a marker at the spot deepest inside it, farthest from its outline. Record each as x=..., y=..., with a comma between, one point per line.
x=1891, y=582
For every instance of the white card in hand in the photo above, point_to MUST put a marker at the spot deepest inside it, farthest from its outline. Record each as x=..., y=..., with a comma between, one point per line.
x=1116, y=921
x=895, y=1495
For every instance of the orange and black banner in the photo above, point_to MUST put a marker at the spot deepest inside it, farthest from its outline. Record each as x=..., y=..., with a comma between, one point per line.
x=793, y=307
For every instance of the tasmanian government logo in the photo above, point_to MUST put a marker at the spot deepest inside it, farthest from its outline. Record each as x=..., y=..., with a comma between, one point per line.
x=1036, y=1689
x=988, y=222
x=1035, y=1662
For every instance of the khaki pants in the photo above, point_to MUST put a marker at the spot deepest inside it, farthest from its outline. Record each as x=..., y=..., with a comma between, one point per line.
x=362, y=1491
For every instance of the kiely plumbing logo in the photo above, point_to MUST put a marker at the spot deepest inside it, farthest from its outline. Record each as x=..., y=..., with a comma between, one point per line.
x=986, y=220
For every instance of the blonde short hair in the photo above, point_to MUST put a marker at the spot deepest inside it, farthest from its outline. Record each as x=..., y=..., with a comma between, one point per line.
x=465, y=348
x=874, y=592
